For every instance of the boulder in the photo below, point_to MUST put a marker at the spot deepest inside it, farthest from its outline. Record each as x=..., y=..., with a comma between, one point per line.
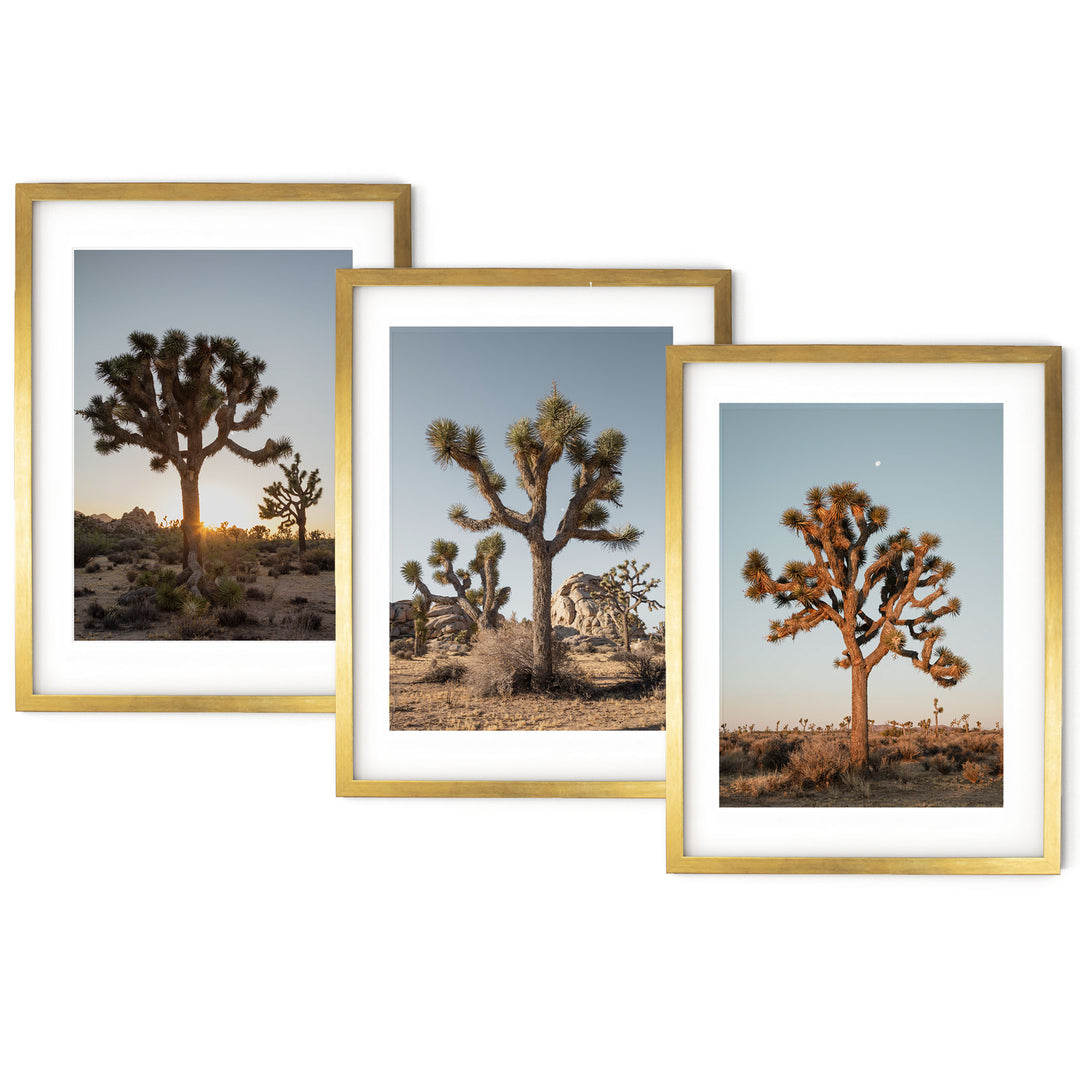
x=580, y=604
x=445, y=618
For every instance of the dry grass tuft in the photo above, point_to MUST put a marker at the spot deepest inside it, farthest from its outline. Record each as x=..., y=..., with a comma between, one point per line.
x=818, y=762
x=502, y=664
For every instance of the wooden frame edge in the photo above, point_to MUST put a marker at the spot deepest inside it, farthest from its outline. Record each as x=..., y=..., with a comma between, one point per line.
x=346, y=784
x=26, y=194
x=1049, y=863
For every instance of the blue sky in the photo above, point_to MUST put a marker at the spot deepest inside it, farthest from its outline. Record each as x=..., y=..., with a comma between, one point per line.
x=278, y=305
x=938, y=468
x=491, y=376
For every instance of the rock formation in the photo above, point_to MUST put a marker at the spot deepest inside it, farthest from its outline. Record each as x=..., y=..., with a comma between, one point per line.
x=580, y=604
x=445, y=619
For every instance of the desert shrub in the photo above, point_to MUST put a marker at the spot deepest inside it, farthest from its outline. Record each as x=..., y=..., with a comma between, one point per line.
x=87, y=545
x=170, y=596
x=856, y=783
x=95, y=610
x=257, y=595
x=228, y=592
x=646, y=665
x=131, y=575
x=83, y=592
x=403, y=646
x=984, y=743
x=112, y=618
x=92, y=567
x=121, y=558
x=444, y=672
x=298, y=600
x=735, y=761
x=195, y=604
x=323, y=557
x=309, y=567
x=818, y=762
x=145, y=579
x=908, y=748
x=756, y=786
x=233, y=616
x=502, y=663
x=941, y=762
x=192, y=627
x=776, y=754
x=128, y=543
x=139, y=613
x=308, y=622
x=971, y=771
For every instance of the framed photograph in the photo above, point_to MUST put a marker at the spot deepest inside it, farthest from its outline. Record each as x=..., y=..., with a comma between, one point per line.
x=864, y=609
x=502, y=633
x=174, y=395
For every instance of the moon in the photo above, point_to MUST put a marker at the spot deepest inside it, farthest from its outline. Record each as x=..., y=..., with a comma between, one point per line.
x=877, y=464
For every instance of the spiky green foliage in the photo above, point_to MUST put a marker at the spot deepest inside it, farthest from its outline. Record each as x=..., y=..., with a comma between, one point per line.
x=290, y=500
x=627, y=589
x=163, y=395
x=228, y=592
x=559, y=429
x=909, y=580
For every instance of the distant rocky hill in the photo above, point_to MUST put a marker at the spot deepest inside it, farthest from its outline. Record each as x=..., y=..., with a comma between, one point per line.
x=135, y=520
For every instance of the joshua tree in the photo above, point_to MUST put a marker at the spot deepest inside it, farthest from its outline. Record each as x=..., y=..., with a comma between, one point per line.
x=164, y=394
x=938, y=709
x=420, y=606
x=537, y=445
x=838, y=522
x=625, y=586
x=292, y=499
x=480, y=605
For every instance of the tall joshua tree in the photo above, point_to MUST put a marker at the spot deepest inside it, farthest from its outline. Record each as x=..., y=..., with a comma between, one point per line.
x=836, y=526
x=163, y=395
x=480, y=605
x=292, y=499
x=626, y=587
x=537, y=446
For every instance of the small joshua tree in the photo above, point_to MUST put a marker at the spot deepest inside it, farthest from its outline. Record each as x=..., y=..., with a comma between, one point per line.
x=537, y=446
x=837, y=524
x=625, y=586
x=163, y=396
x=480, y=605
x=938, y=709
x=420, y=606
x=292, y=499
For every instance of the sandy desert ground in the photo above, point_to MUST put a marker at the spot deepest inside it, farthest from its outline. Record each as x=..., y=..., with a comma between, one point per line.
x=614, y=706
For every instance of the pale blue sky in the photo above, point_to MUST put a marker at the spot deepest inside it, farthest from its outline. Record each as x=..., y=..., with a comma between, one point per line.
x=491, y=376
x=278, y=305
x=940, y=471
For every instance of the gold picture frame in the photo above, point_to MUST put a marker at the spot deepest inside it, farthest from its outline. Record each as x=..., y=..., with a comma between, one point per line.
x=26, y=196
x=718, y=284
x=707, y=817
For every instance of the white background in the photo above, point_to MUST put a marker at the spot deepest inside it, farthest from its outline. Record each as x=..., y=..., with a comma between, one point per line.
x=183, y=895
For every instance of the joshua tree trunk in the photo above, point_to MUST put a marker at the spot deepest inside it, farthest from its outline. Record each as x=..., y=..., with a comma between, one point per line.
x=191, y=526
x=541, y=615
x=626, y=630
x=301, y=527
x=860, y=726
